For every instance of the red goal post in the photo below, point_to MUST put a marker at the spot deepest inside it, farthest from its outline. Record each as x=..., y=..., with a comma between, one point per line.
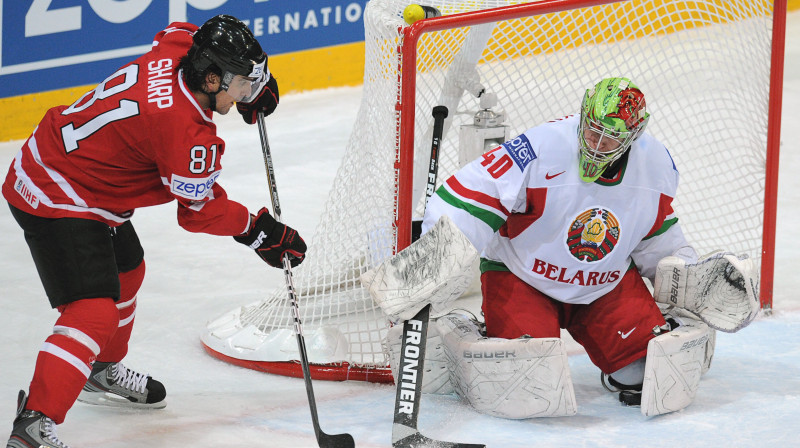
x=712, y=72
x=773, y=152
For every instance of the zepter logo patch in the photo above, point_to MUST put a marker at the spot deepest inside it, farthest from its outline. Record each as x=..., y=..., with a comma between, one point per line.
x=593, y=234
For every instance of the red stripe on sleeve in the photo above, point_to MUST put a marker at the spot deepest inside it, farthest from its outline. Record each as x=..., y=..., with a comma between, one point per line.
x=476, y=196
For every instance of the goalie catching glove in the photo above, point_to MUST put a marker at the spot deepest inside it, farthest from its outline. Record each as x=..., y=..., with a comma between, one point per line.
x=722, y=289
x=266, y=101
x=271, y=240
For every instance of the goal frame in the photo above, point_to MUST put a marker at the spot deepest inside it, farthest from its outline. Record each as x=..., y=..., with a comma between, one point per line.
x=407, y=110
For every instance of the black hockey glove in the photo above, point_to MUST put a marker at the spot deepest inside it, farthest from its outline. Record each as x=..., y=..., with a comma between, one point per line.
x=266, y=101
x=271, y=240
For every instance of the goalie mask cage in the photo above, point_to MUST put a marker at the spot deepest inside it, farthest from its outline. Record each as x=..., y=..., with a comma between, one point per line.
x=711, y=71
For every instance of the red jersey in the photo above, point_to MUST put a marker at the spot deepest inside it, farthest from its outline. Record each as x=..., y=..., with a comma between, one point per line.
x=138, y=139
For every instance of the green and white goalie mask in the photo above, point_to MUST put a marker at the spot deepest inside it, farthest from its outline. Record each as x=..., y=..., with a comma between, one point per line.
x=613, y=115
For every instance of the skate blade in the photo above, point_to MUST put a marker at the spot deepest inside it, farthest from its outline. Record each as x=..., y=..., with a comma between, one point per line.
x=115, y=401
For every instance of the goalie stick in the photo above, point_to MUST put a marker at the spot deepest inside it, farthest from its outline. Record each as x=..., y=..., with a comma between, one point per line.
x=412, y=355
x=439, y=114
x=409, y=387
x=324, y=440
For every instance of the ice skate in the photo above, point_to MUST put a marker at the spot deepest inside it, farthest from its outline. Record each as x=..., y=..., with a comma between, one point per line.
x=628, y=395
x=33, y=429
x=113, y=384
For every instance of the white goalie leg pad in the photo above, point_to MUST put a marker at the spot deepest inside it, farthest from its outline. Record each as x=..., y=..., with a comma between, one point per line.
x=436, y=376
x=435, y=269
x=722, y=289
x=509, y=378
x=673, y=368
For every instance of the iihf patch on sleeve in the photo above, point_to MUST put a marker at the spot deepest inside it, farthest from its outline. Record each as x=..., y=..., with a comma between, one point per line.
x=520, y=150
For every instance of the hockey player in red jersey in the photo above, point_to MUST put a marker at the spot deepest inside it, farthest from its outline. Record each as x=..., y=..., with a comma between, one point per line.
x=144, y=136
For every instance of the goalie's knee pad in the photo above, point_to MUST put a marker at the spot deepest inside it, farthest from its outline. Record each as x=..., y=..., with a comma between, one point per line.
x=509, y=378
x=675, y=362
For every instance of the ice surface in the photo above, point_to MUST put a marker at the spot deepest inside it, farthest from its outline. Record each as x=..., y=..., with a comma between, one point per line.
x=749, y=398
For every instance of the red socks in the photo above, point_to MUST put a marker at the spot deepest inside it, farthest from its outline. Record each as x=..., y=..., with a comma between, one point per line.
x=87, y=329
x=64, y=361
x=117, y=347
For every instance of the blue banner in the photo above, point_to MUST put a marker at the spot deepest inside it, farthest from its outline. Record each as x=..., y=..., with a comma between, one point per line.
x=55, y=44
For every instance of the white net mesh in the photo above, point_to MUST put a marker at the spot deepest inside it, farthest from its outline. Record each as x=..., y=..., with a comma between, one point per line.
x=703, y=66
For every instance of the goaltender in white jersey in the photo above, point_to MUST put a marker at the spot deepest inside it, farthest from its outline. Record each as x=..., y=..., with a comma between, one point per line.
x=525, y=206
x=568, y=218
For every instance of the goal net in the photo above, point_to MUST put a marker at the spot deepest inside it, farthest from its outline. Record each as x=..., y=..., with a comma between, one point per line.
x=704, y=66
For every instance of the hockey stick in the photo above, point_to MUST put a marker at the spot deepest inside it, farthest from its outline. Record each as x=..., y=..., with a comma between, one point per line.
x=409, y=387
x=439, y=114
x=324, y=440
x=415, y=332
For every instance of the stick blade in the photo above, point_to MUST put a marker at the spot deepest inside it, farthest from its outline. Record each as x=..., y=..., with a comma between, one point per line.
x=335, y=440
x=417, y=440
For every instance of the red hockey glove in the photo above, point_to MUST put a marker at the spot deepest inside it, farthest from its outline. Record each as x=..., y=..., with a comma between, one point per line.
x=271, y=240
x=266, y=101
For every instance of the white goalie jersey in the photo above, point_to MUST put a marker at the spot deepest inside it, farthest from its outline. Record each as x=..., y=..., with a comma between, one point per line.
x=525, y=209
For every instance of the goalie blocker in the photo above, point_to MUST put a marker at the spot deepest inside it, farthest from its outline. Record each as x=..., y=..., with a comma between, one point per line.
x=436, y=269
